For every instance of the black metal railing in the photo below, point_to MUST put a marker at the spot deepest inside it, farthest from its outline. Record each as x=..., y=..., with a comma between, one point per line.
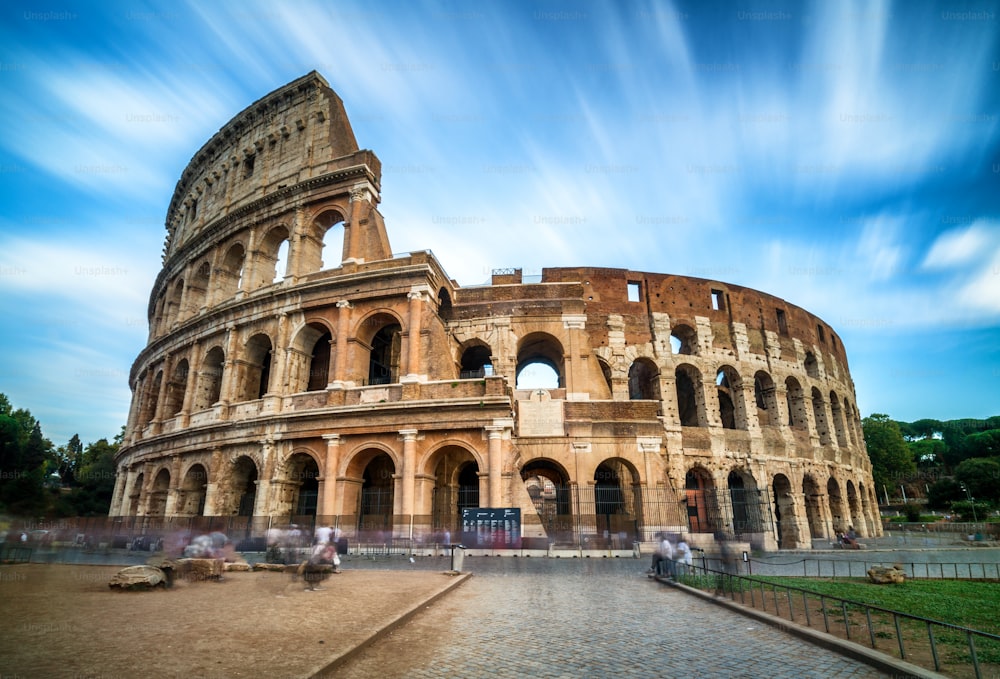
x=959, y=651
x=858, y=568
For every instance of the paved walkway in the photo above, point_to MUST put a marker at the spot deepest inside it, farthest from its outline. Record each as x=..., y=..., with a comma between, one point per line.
x=571, y=618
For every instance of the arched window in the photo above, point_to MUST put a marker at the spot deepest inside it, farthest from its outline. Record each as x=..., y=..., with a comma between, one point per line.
x=684, y=340
x=819, y=416
x=476, y=362
x=690, y=402
x=795, y=400
x=539, y=362
x=230, y=274
x=258, y=367
x=766, y=399
x=838, y=420
x=319, y=363
x=644, y=380
x=209, y=388
x=197, y=289
x=383, y=363
x=176, y=388
x=811, y=365
x=729, y=387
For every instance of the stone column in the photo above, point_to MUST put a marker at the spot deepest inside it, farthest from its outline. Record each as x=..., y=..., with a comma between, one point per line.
x=340, y=360
x=409, y=475
x=230, y=378
x=573, y=323
x=416, y=297
x=496, y=433
x=215, y=472
x=190, y=389
x=327, y=496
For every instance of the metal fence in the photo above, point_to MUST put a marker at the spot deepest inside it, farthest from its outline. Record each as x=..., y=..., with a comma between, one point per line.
x=953, y=649
x=858, y=568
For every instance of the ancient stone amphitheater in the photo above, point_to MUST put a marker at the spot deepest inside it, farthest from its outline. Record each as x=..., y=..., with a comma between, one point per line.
x=298, y=371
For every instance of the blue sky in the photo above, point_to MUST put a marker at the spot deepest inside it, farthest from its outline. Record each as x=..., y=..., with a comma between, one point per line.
x=844, y=156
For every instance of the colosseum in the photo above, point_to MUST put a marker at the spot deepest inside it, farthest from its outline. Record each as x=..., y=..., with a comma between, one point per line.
x=297, y=371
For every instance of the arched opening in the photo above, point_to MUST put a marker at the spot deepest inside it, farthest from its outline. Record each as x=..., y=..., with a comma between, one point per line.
x=684, y=340
x=444, y=304
x=729, y=387
x=230, y=274
x=747, y=502
x=644, y=380
x=209, y=388
x=547, y=484
x=784, y=513
x=152, y=391
x=377, y=496
x=854, y=509
x=333, y=242
x=244, y=486
x=191, y=501
x=811, y=365
x=257, y=375
x=795, y=400
x=456, y=487
x=616, y=502
x=540, y=362
x=174, y=303
x=766, y=398
x=838, y=420
x=383, y=362
x=176, y=388
x=699, y=495
x=476, y=362
x=606, y=373
x=135, y=495
x=814, y=512
x=689, y=401
x=836, y=505
x=819, y=416
x=301, y=486
x=309, y=361
x=158, y=494
x=197, y=289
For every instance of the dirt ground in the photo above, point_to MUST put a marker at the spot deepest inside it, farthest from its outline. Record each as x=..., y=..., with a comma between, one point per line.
x=64, y=621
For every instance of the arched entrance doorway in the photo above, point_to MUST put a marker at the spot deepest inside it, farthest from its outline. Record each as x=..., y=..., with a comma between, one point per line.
x=784, y=512
x=192, y=496
x=158, y=494
x=749, y=504
x=548, y=487
x=702, y=509
x=814, y=511
x=301, y=488
x=616, y=503
x=375, y=506
x=245, y=486
x=456, y=487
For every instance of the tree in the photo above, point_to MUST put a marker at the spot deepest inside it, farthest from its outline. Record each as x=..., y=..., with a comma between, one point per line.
x=943, y=492
x=982, y=478
x=890, y=456
x=982, y=444
x=95, y=478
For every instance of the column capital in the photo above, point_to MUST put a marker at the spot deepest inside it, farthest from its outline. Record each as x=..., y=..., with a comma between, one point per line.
x=333, y=438
x=344, y=304
x=408, y=434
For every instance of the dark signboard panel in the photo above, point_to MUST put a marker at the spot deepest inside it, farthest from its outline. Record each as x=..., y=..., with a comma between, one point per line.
x=491, y=528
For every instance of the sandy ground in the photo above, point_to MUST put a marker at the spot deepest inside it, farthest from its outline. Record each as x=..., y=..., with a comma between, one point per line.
x=64, y=621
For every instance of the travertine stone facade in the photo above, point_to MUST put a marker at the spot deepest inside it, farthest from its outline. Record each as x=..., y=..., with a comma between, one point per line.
x=295, y=366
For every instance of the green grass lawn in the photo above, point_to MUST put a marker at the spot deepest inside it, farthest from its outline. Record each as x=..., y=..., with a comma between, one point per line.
x=959, y=602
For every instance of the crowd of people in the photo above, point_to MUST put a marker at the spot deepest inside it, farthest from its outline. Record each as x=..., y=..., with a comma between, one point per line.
x=672, y=556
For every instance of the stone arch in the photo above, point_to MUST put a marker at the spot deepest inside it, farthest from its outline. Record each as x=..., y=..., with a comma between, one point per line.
x=444, y=304
x=732, y=407
x=256, y=368
x=240, y=488
x=854, y=509
x=324, y=245
x=813, y=496
x=192, y=493
x=746, y=502
x=372, y=491
x=477, y=360
x=606, y=372
x=455, y=470
x=135, y=495
x=381, y=333
x=684, y=340
x=811, y=365
x=796, y=403
x=297, y=486
x=197, y=288
x=702, y=504
x=229, y=275
x=643, y=380
x=540, y=349
x=273, y=256
x=176, y=388
x=766, y=399
x=784, y=512
x=548, y=485
x=152, y=392
x=209, y=389
x=836, y=503
x=690, y=396
x=309, y=358
x=158, y=493
x=174, y=300
x=617, y=498
x=838, y=420
x=819, y=416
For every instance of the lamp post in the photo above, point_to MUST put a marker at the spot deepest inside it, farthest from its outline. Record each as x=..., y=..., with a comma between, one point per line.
x=972, y=502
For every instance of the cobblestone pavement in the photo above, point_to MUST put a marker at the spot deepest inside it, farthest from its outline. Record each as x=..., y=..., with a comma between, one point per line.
x=554, y=618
